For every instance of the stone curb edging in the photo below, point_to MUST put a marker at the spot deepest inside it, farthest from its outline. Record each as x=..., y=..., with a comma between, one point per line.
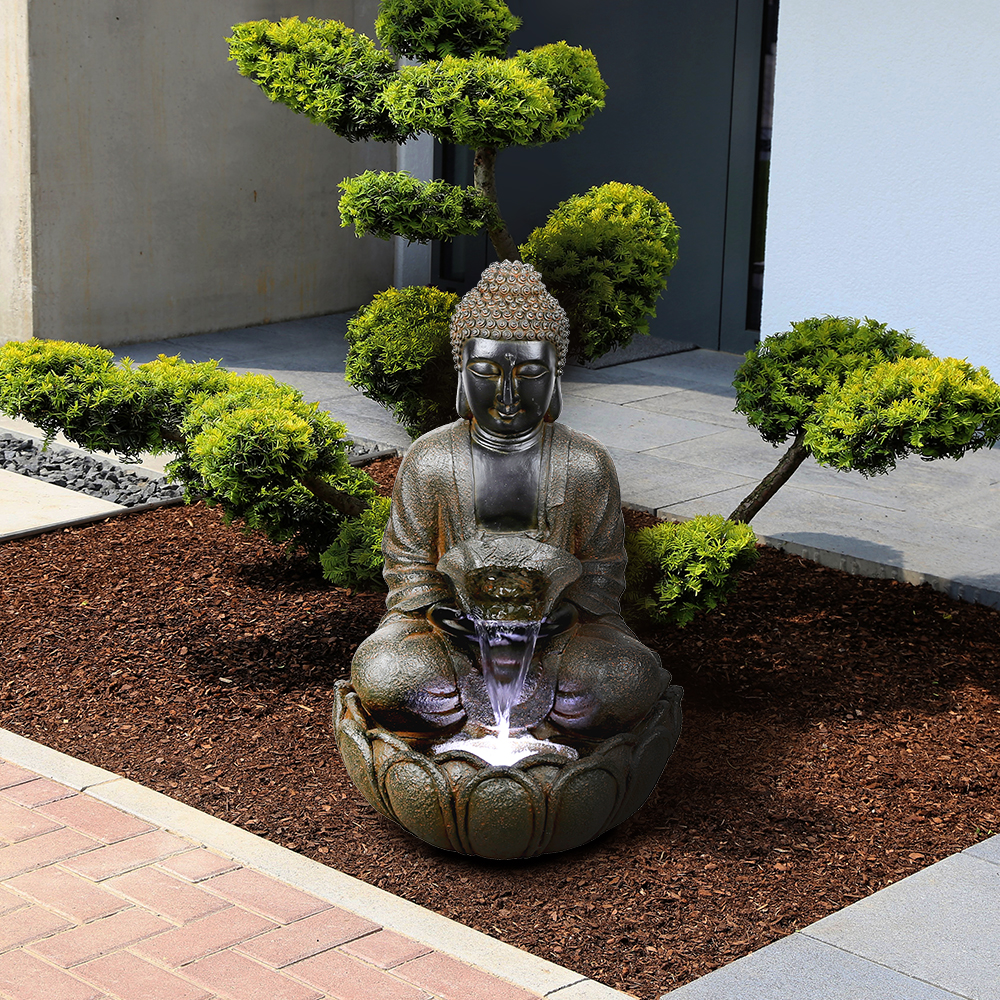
x=394, y=913
x=82, y=522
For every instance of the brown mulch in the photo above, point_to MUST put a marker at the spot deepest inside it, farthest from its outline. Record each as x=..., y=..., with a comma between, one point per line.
x=839, y=734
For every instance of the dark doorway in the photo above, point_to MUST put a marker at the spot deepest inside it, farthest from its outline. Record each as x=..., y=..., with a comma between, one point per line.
x=681, y=120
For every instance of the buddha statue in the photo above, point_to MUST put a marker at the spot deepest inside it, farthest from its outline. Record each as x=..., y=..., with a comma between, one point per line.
x=507, y=469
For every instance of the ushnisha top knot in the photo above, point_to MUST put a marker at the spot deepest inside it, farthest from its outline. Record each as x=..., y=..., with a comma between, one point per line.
x=510, y=302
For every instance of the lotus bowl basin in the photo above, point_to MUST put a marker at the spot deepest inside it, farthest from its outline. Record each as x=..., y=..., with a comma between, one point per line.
x=540, y=805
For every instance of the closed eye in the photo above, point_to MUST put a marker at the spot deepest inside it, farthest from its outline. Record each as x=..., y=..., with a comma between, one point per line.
x=484, y=369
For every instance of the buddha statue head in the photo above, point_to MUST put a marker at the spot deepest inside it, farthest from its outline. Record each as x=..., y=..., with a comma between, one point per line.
x=509, y=339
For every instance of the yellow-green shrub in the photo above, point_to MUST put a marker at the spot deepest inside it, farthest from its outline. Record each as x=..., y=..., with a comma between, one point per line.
x=386, y=204
x=931, y=407
x=400, y=355
x=433, y=29
x=606, y=255
x=676, y=571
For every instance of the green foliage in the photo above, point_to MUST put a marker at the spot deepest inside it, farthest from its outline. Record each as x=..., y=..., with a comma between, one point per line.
x=575, y=80
x=355, y=558
x=322, y=69
x=400, y=355
x=606, y=255
x=676, y=571
x=244, y=442
x=79, y=390
x=395, y=204
x=485, y=101
x=779, y=384
x=433, y=29
x=480, y=101
x=932, y=407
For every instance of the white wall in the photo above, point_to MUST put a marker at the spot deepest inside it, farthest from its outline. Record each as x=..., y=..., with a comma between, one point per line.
x=168, y=195
x=15, y=167
x=885, y=171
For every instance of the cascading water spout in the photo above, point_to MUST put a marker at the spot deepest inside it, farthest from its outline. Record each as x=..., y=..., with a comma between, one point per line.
x=505, y=649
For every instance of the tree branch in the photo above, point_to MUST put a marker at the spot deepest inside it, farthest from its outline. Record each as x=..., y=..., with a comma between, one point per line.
x=346, y=503
x=484, y=181
x=750, y=506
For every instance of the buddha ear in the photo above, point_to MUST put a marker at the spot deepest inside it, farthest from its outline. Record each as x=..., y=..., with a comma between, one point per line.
x=556, y=403
x=461, y=403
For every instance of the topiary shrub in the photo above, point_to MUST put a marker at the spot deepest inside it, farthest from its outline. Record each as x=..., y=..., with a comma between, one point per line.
x=859, y=396
x=931, y=407
x=779, y=384
x=387, y=204
x=676, y=571
x=606, y=255
x=245, y=442
x=324, y=70
x=464, y=90
x=400, y=355
x=355, y=558
x=433, y=29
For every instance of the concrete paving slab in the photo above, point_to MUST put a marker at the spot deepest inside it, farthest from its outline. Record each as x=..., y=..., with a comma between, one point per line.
x=613, y=425
x=987, y=850
x=940, y=925
x=655, y=483
x=619, y=393
x=27, y=503
x=799, y=968
x=694, y=404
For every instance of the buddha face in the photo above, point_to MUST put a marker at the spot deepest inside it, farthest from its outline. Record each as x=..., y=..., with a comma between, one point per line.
x=508, y=383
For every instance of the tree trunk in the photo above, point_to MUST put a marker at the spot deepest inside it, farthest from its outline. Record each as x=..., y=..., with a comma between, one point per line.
x=750, y=506
x=346, y=503
x=484, y=181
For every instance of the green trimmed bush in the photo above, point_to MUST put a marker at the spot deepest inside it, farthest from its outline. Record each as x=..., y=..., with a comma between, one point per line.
x=322, y=69
x=432, y=29
x=606, y=255
x=244, y=442
x=575, y=80
x=676, y=571
x=479, y=101
x=355, y=558
x=931, y=407
x=782, y=379
x=400, y=355
x=395, y=204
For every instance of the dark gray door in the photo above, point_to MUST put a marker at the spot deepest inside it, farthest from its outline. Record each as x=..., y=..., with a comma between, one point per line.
x=680, y=120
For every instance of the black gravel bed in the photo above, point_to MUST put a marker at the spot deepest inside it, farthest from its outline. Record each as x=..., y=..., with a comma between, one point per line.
x=109, y=481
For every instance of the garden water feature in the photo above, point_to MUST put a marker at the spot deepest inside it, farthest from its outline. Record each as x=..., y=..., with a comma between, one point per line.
x=503, y=709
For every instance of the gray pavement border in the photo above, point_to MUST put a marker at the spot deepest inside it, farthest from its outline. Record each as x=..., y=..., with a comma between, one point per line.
x=441, y=933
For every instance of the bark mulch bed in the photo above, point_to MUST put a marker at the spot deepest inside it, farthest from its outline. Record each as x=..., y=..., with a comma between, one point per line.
x=839, y=734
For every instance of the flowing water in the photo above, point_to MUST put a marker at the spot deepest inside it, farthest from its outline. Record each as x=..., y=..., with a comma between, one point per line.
x=505, y=650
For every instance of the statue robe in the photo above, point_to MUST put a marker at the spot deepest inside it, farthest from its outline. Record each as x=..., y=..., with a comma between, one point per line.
x=606, y=678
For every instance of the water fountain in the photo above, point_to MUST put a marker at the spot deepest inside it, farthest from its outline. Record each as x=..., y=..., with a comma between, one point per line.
x=503, y=708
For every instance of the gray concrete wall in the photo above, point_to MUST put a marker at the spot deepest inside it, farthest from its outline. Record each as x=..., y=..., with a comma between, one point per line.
x=169, y=196
x=15, y=172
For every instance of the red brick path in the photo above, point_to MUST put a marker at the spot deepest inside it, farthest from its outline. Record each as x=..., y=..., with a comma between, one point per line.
x=96, y=904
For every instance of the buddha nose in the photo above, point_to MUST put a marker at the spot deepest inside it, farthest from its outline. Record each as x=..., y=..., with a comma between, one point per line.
x=508, y=392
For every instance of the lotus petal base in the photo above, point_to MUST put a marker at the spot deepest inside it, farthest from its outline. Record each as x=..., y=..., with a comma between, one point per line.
x=543, y=804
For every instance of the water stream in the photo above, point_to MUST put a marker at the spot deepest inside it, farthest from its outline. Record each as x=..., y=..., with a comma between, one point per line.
x=505, y=652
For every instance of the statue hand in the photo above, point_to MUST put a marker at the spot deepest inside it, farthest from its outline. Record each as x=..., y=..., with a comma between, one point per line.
x=451, y=621
x=560, y=619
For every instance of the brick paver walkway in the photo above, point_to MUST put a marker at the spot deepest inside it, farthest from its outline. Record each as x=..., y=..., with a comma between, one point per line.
x=97, y=904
